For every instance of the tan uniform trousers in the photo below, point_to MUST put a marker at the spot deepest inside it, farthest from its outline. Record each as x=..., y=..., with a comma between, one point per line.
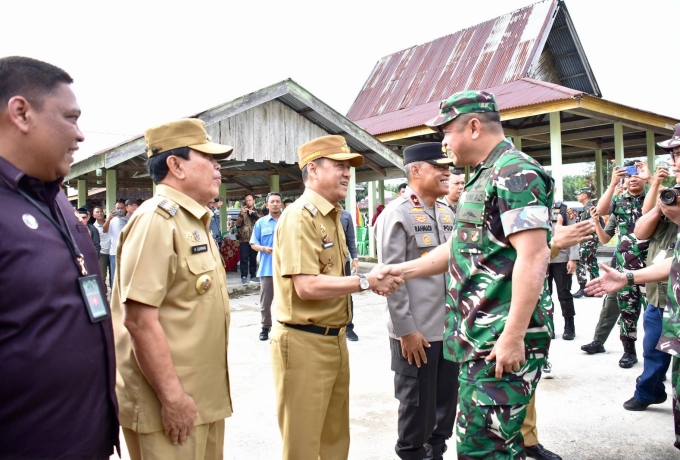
x=205, y=443
x=311, y=377
x=529, y=431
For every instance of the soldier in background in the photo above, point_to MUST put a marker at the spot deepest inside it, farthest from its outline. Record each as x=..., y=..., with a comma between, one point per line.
x=588, y=251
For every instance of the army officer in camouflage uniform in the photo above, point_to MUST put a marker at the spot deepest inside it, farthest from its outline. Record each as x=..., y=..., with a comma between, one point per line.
x=588, y=251
x=497, y=329
x=410, y=226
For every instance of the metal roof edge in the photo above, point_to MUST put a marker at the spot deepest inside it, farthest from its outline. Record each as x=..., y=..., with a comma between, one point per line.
x=540, y=44
x=579, y=47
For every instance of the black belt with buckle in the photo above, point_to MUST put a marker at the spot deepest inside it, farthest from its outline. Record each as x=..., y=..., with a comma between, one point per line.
x=321, y=330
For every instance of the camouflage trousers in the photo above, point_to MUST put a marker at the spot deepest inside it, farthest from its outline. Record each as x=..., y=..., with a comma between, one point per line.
x=630, y=300
x=675, y=383
x=491, y=412
x=587, y=260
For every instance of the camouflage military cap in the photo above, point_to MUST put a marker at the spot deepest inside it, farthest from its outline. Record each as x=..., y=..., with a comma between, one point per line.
x=463, y=102
x=586, y=190
x=673, y=142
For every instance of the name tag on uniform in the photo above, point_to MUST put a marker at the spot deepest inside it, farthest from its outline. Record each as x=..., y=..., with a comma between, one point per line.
x=330, y=244
x=94, y=300
x=199, y=249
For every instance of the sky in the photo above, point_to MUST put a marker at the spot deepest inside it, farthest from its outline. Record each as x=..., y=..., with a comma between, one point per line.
x=144, y=63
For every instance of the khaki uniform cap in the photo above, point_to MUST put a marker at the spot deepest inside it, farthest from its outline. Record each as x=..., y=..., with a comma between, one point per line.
x=333, y=147
x=184, y=133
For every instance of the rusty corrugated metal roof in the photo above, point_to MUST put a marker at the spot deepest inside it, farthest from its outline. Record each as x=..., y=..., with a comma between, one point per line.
x=511, y=95
x=484, y=56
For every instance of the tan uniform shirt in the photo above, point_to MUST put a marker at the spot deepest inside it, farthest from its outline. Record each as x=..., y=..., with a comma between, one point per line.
x=407, y=230
x=167, y=259
x=309, y=240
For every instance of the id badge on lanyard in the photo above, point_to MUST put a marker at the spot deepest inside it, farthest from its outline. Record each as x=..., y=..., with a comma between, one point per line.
x=93, y=297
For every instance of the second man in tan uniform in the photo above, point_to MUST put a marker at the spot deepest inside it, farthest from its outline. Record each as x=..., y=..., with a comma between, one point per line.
x=308, y=347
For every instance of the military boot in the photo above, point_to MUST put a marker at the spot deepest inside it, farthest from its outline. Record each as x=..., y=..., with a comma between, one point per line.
x=580, y=293
x=629, y=355
x=434, y=452
x=569, y=329
x=595, y=347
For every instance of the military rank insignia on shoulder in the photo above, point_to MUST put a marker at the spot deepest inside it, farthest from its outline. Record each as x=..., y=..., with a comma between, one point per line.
x=311, y=208
x=168, y=206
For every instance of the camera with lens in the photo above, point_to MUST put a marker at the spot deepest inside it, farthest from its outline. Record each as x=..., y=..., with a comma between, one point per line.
x=670, y=195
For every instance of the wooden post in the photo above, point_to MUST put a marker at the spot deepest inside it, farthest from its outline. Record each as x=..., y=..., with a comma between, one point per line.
x=618, y=143
x=598, y=173
x=381, y=192
x=371, y=213
x=224, y=212
x=111, y=189
x=82, y=193
x=351, y=200
x=556, y=154
x=274, y=183
x=651, y=150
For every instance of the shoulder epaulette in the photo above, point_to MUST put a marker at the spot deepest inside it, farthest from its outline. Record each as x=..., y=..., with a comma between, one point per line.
x=168, y=206
x=311, y=208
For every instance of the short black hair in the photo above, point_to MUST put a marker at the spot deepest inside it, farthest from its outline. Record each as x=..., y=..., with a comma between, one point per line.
x=401, y=186
x=218, y=199
x=30, y=78
x=288, y=200
x=157, y=165
x=247, y=195
x=83, y=210
x=121, y=201
x=457, y=172
x=270, y=194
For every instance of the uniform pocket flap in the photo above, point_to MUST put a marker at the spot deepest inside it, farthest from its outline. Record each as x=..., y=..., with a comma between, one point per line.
x=200, y=265
x=401, y=366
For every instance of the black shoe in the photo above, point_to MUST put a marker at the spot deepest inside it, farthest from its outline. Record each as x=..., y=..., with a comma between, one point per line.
x=351, y=335
x=244, y=280
x=594, y=347
x=552, y=335
x=434, y=452
x=569, y=329
x=264, y=335
x=635, y=405
x=629, y=355
x=254, y=279
x=538, y=452
x=578, y=294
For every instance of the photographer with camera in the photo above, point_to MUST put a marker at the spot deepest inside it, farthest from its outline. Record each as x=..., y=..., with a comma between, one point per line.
x=245, y=222
x=631, y=253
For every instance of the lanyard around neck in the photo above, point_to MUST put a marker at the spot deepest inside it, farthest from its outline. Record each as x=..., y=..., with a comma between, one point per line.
x=68, y=238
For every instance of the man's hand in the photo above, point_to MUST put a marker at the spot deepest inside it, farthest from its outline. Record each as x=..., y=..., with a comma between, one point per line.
x=355, y=267
x=178, y=418
x=671, y=211
x=563, y=237
x=611, y=281
x=617, y=175
x=571, y=267
x=643, y=172
x=508, y=353
x=384, y=284
x=112, y=214
x=661, y=175
x=412, y=348
x=268, y=250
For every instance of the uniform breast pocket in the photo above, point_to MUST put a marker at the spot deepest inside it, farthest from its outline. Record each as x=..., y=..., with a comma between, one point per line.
x=201, y=279
x=327, y=260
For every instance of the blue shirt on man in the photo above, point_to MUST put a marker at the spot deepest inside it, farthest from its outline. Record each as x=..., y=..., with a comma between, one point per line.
x=263, y=234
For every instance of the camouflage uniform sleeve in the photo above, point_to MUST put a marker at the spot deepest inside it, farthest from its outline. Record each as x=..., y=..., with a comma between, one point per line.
x=524, y=197
x=610, y=228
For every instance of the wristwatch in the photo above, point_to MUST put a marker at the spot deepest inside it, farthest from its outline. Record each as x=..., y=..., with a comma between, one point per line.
x=631, y=279
x=363, y=282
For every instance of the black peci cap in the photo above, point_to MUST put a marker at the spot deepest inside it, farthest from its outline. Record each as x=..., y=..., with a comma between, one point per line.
x=431, y=152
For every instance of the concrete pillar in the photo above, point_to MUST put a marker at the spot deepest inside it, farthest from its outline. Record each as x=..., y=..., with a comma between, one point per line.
x=351, y=200
x=598, y=173
x=153, y=188
x=618, y=143
x=556, y=154
x=82, y=193
x=223, y=210
x=467, y=174
x=111, y=189
x=274, y=183
x=371, y=213
x=381, y=192
x=651, y=150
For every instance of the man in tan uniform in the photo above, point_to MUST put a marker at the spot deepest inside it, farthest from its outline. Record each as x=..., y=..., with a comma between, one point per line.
x=170, y=306
x=308, y=345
